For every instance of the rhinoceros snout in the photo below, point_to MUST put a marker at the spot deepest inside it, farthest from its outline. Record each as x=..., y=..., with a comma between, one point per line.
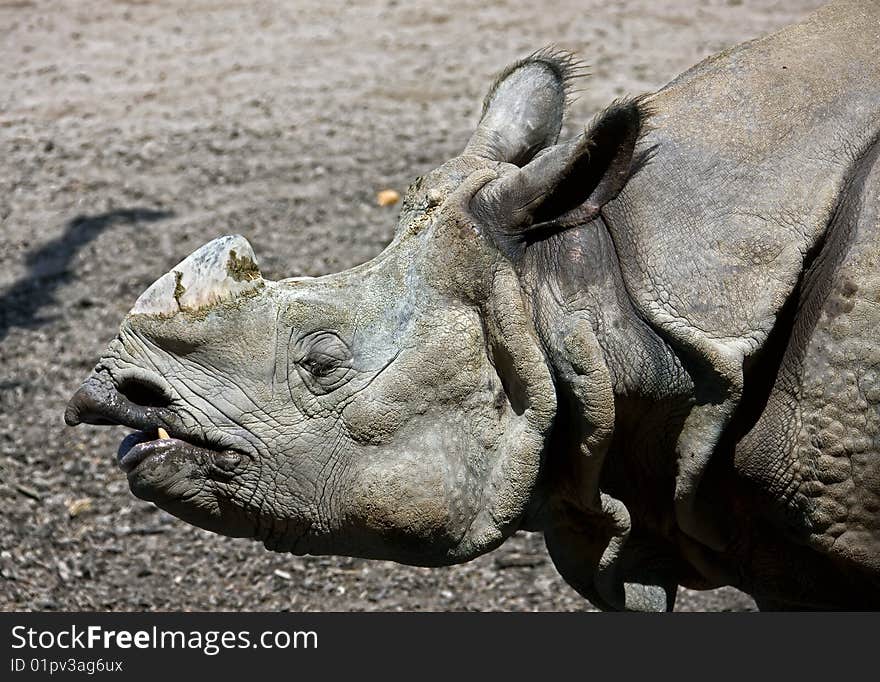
x=221, y=269
x=100, y=401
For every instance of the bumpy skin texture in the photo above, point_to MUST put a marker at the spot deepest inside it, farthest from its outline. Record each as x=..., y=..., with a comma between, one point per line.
x=653, y=342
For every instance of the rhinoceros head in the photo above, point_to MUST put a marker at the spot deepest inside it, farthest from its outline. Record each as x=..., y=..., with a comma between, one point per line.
x=400, y=409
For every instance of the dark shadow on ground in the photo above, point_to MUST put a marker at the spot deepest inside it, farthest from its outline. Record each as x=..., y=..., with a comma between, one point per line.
x=48, y=265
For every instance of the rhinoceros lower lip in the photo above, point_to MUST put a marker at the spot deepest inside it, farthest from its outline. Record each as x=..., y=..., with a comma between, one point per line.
x=136, y=447
x=140, y=446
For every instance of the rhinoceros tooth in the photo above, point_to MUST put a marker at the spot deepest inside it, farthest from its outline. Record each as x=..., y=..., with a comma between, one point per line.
x=219, y=270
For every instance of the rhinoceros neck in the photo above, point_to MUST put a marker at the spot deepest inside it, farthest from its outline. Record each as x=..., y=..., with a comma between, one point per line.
x=575, y=282
x=576, y=275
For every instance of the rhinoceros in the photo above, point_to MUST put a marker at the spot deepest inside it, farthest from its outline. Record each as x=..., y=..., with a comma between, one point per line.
x=656, y=342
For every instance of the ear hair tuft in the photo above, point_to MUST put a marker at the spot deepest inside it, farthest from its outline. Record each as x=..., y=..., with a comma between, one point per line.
x=567, y=67
x=637, y=106
x=641, y=110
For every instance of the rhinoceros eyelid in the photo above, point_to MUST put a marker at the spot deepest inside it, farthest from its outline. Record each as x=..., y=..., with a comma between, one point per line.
x=324, y=343
x=321, y=364
x=325, y=359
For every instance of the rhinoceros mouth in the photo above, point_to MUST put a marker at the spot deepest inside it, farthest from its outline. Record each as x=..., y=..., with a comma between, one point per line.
x=100, y=402
x=142, y=446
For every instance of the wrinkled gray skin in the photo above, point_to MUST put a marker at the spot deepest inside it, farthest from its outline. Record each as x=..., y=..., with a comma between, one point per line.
x=655, y=342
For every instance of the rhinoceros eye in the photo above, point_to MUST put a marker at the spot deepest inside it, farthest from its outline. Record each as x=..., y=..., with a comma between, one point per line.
x=325, y=362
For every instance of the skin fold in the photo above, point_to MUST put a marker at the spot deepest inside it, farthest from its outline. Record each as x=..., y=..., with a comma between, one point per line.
x=655, y=342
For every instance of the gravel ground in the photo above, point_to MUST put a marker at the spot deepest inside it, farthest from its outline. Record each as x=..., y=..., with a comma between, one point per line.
x=133, y=132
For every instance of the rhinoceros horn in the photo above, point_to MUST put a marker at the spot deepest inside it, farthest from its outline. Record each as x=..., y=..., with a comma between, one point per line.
x=219, y=270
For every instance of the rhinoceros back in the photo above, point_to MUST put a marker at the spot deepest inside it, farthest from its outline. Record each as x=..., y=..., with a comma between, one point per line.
x=751, y=153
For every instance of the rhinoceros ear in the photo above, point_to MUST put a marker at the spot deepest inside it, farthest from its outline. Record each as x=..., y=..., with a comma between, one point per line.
x=566, y=185
x=523, y=111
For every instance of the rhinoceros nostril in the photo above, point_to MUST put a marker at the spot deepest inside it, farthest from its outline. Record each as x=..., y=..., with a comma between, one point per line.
x=143, y=393
x=100, y=401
